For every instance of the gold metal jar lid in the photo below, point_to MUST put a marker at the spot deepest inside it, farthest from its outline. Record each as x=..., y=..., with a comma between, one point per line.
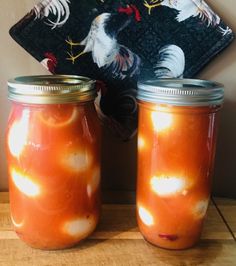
x=181, y=92
x=51, y=89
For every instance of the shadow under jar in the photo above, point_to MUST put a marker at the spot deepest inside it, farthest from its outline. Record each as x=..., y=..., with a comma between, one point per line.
x=53, y=152
x=178, y=121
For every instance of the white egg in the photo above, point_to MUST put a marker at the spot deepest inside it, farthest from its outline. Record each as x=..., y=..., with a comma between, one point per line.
x=81, y=227
x=161, y=121
x=145, y=216
x=77, y=161
x=141, y=143
x=25, y=184
x=94, y=182
x=200, y=209
x=52, y=122
x=167, y=186
x=17, y=225
x=18, y=134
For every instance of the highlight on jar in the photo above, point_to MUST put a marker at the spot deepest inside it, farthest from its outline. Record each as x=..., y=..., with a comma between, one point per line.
x=53, y=154
x=177, y=132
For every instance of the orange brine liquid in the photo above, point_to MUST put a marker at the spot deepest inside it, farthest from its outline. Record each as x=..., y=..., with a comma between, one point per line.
x=53, y=154
x=176, y=149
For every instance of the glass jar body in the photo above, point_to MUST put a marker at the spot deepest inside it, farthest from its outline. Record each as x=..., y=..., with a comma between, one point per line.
x=53, y=154
x=176, y=150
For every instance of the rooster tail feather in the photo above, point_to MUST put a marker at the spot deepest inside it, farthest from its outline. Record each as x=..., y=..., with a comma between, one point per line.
x=125, y=63
x=58, y=8
x=207, y=14
x=171, y=63
x=198, y=8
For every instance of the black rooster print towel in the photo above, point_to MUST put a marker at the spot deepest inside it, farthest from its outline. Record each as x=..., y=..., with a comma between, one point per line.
x=118, y=42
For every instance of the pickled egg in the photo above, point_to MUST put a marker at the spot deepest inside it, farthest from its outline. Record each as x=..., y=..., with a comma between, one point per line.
x=145, y=216
x=200, y=208
x=17, y=224
x=18, y=134
x=58, y=116
x=25, y=184
x=80, y=227
x=77, y=160
x=141, y=142
x=94, y=182
x=168, y=185
x=161, y=121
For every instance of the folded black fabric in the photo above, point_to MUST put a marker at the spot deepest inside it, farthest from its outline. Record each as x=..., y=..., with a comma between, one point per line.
x=118, y=42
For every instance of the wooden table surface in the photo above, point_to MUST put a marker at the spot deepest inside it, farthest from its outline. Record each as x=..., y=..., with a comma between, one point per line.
x=118, y=242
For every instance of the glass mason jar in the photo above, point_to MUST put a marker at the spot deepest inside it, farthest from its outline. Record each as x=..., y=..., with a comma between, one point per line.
x=177, y=131
x=53, y=152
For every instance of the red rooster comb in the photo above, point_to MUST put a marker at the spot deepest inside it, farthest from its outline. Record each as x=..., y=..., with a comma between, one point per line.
x=51, y=56
x=129, y=10
x=51, y=62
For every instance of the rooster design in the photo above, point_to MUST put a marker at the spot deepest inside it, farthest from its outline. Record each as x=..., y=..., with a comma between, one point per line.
x=102, y=42
x=189, y=8
x=171, y=62
x=49, y=62
x=58, y=8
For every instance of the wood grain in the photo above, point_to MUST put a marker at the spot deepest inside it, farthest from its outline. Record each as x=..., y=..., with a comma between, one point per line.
x=118, y=252
x=117, y=241
x=119, y=222
x=227, y=207
x=4, y=197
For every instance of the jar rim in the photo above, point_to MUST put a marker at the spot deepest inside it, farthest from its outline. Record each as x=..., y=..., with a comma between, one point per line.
x=181, y=92
x=51, y=89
